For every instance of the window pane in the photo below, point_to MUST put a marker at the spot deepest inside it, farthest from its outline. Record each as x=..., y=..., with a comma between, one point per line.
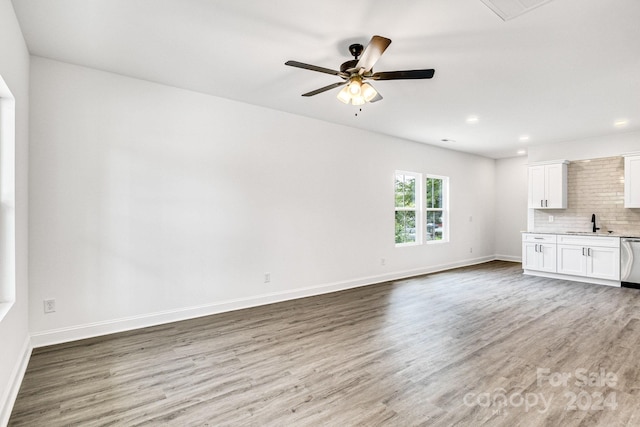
x=405, y=226
x=434, y=193
x=435, y=225
x=437, y=193
x=409, y=191
x=399, y=189
x=405, y=191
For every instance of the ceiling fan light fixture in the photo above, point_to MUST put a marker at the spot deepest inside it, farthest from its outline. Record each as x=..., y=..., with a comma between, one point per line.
x=358, y=100
x=368, y=92
x=344, y=95
x=355, y=87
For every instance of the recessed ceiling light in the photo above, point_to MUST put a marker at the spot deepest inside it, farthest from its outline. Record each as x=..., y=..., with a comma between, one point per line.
x=621, y=123
x=524, y=138
x=447, y=140
x=472, y=119
x=521, y=152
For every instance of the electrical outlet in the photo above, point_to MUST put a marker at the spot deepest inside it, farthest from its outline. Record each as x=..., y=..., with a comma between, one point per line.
x=470, y=250
x=550, y=218
x=383, y=261
x=49, y=305
x=267, y=277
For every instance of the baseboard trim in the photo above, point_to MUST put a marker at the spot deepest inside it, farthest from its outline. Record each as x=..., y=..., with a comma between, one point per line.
x=91, y=330
x=582, y=279
x=15, y=381
x=509, y=258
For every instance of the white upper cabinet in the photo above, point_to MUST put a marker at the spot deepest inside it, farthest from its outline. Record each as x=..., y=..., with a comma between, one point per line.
x=548, y=185
x=632, y=180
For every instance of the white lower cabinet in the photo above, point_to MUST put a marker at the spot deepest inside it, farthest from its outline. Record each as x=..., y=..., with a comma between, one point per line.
x=594, y=259
x=539, y=252
x=603, y=263
x=597, y=257
x=571, y=260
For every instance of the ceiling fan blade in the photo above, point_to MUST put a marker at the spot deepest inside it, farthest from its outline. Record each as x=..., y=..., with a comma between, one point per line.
x=324, y=89
x=372, y=52
x=403, y=75
x=376, y=98
x=313, y=68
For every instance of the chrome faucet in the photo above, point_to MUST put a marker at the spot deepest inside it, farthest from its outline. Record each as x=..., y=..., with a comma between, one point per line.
x=593, y=221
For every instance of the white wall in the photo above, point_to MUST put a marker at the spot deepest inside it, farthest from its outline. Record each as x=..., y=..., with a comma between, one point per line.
x=14, y=335
x=151, y=203
x=511, y=207
x=610, y=145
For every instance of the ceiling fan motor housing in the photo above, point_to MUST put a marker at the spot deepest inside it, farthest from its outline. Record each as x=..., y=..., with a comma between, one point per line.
x=356, y=50
x=348, y=65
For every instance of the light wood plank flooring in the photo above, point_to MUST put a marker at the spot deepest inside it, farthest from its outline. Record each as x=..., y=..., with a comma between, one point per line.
x=461, y=347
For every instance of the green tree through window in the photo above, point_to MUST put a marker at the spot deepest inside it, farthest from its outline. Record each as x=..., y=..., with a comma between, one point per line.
x=405, y=201
x=421, y=208
x=434, y=209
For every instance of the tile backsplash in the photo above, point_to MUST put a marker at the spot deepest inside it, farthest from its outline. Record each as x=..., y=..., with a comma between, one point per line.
x=594, y=186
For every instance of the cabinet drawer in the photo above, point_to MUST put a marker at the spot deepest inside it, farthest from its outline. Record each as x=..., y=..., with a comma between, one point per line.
x=539, y=238
x=604, y=242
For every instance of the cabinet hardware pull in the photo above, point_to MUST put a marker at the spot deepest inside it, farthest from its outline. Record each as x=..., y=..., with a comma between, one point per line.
x=589, y=252
x=536, y=247
x=542, y=203
x=546, y=203
x=583, y=252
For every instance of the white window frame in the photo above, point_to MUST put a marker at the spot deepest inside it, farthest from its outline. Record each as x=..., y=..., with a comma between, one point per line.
x=418, y=208
x=7, y=200
x=421, y=208
x=444, y=209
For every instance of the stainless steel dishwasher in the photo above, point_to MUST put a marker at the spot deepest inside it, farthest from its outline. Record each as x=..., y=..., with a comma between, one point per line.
x=630, y=262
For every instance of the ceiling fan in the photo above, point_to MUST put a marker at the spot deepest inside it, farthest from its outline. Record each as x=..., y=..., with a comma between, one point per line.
x=356, y=72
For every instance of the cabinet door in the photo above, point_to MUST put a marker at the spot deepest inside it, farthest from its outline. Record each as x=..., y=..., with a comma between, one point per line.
x=529, y=256
x=572, y=260
x=536, y=186
x=556, y=186
x=603, y=263
x=547, y=257
x=632, y=182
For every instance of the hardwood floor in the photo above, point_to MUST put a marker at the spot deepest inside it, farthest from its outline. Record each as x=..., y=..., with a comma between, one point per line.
x=462, y=347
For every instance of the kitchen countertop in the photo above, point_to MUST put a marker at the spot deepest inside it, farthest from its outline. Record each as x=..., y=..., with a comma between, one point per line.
x=581, y=233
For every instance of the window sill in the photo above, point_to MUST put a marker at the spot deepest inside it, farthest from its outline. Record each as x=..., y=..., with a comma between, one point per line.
x=406, y=245
x=436, y=242
x=427, y=242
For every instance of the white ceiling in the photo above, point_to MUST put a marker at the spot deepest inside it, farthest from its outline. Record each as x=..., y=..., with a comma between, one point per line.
x=563, y=71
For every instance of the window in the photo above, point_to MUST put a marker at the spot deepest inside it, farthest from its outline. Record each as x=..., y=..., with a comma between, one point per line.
x=435, y=209
x=406, y=211
x=7, y=199
x=421, y=208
